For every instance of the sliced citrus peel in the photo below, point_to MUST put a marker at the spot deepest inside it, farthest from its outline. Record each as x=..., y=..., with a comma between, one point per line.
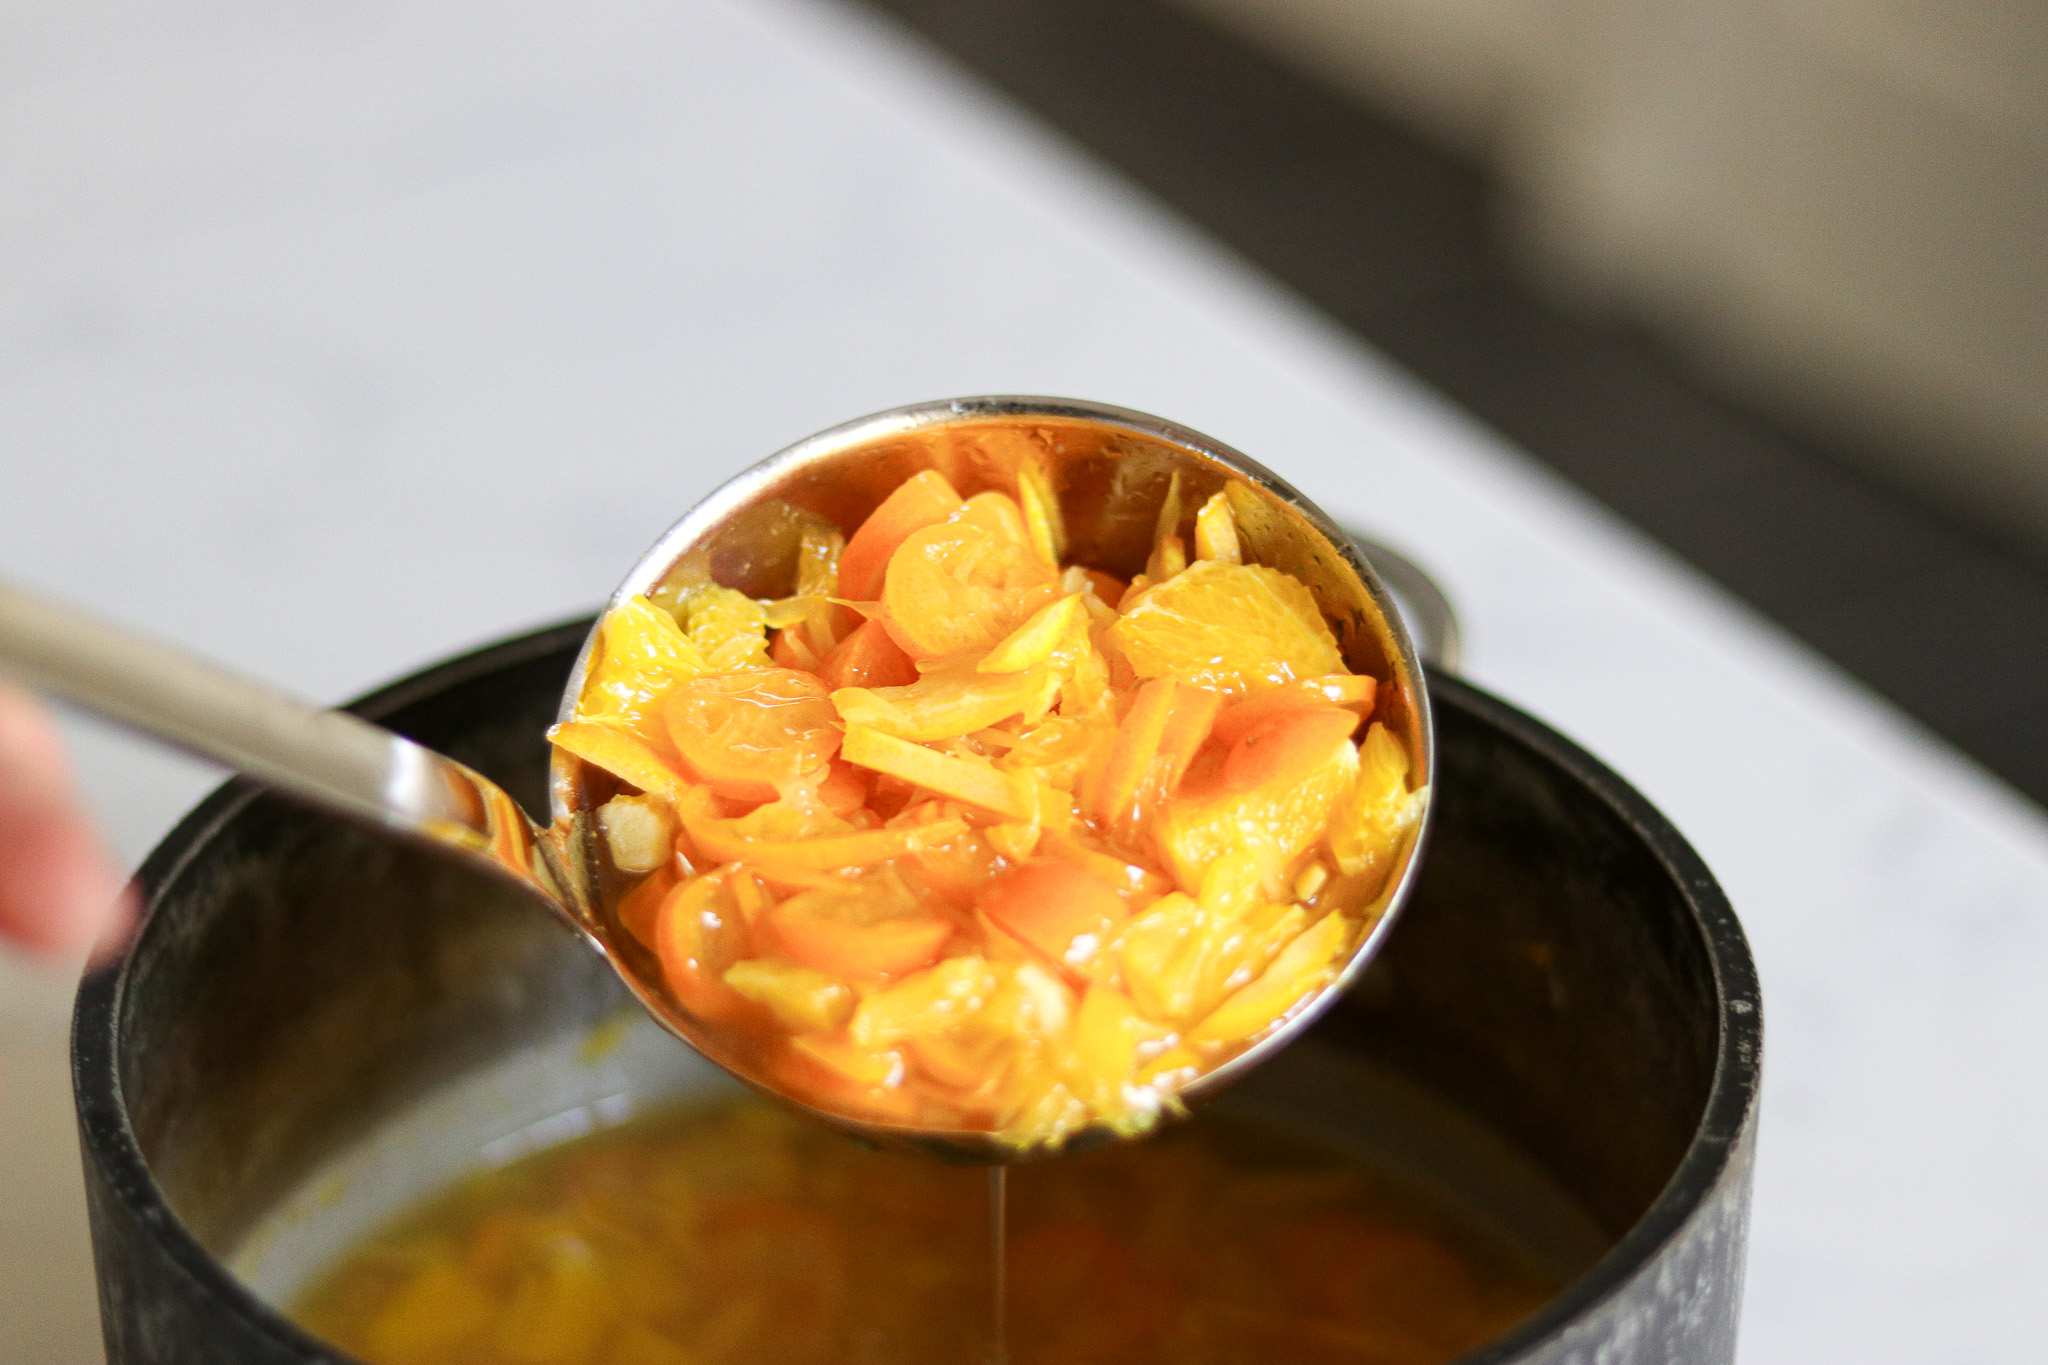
x=967, y=836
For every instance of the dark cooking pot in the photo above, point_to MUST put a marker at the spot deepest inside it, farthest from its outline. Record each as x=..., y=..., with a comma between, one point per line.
x=1564, y=1029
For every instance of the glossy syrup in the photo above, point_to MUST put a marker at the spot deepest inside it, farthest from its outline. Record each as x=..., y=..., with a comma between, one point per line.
x=733, y=1233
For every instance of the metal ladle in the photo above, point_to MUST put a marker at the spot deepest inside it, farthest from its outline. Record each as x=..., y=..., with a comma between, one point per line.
x=1113, y=470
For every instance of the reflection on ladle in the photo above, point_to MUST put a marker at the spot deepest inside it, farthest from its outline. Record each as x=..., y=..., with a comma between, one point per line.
x=1109, y=464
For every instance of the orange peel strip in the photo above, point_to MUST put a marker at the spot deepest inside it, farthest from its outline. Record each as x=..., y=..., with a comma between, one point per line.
x=624, y=756
x=972, y=783
x=794, y=857
x=1354, y=691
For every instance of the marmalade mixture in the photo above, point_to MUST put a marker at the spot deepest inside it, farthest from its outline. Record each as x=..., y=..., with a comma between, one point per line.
x=964, y=835
x=741, y=1235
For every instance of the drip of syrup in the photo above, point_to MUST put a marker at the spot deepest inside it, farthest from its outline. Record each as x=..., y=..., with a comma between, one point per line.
x=998, y=1239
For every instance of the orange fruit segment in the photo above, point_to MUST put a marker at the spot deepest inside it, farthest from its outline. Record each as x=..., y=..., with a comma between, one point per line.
x=817, y=562
x=1227, y=627
x=1285, y=748
x=1043, y=520
x=1158, y=738
x=1038, y=638
x=966, y=582
x=838, y=1074
x=1187, y=729
x=1181, y=959
x=918, y=502
x=1056, y=908
x=864, y=933
x=1132, y=881
x=802, y=999
x=867, y=658
x=817, y=583
x=747, y=734
x=957, y=869
x=934, y=1001
x=794, y=859
x=1273, y=823
x=1108, y=1033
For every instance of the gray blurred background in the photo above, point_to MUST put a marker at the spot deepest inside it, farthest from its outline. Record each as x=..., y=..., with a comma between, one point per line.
x=1769, y=278
x=1835, y=209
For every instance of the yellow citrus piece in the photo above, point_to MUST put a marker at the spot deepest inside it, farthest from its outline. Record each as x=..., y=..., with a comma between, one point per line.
x=1103, y=1050
x=1057, y=752
x=1303, y=966
x=1035, y=640
x=817, y=580
x=1227, y=627
x=1169, y=557
x=933, y=1001
x=1181, y=959
x=624, y=755
x=727, y=841
x=1168, y=523
x=802, y=1000
x=782, y=612
x=1370, y=818
x=641, y=653
x=1127, y=879
x=1041, y=508
x=817, y=561
x=729, y=627
x=1216, y=532
x=946, y=705
x=880, y=1069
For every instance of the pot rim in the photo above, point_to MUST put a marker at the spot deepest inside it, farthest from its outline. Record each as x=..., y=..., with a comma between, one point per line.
x=109, y=1142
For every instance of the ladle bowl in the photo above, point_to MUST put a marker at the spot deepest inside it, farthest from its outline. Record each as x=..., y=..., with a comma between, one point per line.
x=1112, y=469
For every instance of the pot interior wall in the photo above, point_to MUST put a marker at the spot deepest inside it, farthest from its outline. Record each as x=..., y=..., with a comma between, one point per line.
x=305, y=995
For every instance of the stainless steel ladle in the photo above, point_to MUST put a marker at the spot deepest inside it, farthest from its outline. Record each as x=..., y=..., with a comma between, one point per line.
x=1113, y=470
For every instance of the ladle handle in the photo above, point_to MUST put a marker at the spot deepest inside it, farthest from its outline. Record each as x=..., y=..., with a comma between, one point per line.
x=327, y=757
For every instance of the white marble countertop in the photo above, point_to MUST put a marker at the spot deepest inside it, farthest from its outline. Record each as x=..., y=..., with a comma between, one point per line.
x=335, y=339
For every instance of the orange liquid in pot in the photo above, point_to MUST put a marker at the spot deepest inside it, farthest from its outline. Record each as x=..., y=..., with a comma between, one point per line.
x=735, y=1233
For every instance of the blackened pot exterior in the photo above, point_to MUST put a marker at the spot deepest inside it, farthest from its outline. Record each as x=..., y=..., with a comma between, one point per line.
x=1569, y=974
